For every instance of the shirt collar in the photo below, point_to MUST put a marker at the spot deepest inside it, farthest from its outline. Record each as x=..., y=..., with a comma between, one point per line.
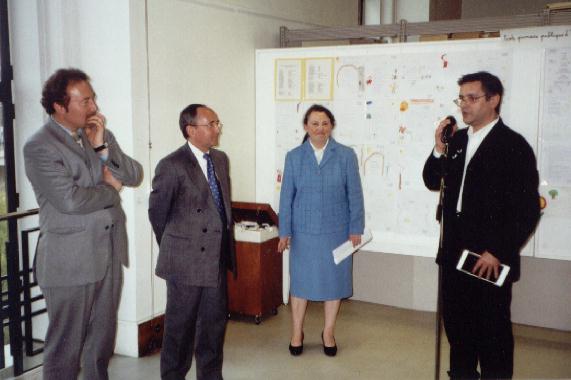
x=64, y=128
x=315, y=149
x=483, y=132
x=196, y=151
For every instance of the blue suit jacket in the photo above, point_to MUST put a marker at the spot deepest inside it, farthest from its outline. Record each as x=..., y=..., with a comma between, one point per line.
x=322, y=198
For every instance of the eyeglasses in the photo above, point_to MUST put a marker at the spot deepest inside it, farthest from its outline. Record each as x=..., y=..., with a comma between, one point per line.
x=470, y=99
x=212, y=124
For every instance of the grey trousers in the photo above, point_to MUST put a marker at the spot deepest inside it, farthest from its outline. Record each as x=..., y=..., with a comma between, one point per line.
x=195, y=322
x=82, y=319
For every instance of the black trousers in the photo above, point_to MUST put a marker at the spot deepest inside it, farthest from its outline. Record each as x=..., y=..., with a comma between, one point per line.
x=478, y=326
x=195, y=322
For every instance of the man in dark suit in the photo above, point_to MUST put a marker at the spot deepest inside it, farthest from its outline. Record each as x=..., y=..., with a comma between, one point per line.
x=77, y=169
x=491, y=207
x=190, y=211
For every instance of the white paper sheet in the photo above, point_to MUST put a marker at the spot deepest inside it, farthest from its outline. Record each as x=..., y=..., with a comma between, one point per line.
x=346, y=249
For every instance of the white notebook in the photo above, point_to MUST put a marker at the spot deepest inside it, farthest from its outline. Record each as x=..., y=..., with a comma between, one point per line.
x=346, y=249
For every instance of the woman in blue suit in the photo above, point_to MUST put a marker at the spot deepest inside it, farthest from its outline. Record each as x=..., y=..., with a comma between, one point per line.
x=321, y=207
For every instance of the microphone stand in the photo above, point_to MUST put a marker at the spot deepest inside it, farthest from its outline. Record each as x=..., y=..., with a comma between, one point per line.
x=440, y=218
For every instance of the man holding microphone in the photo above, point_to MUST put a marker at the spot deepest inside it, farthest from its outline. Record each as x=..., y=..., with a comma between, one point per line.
x=490, y=207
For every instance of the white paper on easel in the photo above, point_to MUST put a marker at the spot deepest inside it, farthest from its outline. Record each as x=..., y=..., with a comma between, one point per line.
x=346, y=249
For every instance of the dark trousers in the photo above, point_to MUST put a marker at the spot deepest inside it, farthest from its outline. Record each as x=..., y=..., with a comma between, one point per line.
x=82, y=319
x=478, y=325
x=195, y=322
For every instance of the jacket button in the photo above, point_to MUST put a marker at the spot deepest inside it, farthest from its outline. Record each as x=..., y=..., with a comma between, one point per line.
x=205, y=230
x=106, y=227
x=202, y=249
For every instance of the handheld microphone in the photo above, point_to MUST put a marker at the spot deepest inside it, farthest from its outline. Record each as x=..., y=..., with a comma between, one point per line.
x=447, y=131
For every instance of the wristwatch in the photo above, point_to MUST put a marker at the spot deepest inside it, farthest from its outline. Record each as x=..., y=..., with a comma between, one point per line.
x=101, y=147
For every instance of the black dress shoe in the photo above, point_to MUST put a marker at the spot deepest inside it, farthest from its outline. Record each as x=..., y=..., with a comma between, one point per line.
x=296, y=350
x=329, y=351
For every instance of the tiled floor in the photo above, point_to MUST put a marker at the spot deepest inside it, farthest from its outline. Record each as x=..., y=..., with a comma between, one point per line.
x=375, y=342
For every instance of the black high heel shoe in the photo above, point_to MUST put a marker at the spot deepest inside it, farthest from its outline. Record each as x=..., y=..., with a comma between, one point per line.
x=329, y=351
x=296, y=350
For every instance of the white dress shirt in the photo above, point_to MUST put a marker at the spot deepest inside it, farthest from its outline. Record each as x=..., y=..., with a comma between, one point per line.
x=319, y=152
x=474, y=141
x=200, y=158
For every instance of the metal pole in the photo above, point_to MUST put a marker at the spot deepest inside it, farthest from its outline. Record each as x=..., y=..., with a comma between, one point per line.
x=12, y=254
x=440, y=218
x=438, y=327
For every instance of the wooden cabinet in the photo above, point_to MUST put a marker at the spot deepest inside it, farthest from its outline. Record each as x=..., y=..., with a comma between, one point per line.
x=257, y=289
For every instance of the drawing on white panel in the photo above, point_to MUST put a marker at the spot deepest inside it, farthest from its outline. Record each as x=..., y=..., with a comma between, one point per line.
x=444, y=61
x=421, y=101
x=373, y=164
x=350, y=78
x=404, y=135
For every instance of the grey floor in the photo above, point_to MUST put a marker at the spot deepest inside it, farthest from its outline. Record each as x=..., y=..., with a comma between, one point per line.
x=375, y=342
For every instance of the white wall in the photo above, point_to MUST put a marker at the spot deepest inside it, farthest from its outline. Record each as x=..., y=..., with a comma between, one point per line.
x=46, y=35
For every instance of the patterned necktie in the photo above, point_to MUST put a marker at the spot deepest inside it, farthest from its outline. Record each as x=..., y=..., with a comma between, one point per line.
x=77, y=138
x=214, y=189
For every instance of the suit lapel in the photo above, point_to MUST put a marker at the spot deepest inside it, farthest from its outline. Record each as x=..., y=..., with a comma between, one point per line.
x=487, y=144
x=309, y=154
x=65, y=138
x=457, y=151
x=199, y=179
x=197, y=176
x=194, y=171
x=84, y=154
x=96, y=166
x=329, y=152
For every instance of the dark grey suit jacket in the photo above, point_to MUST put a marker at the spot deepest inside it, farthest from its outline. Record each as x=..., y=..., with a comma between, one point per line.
x=82, y=224
x=185, y=220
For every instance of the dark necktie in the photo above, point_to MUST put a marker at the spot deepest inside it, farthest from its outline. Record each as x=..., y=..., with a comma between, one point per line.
x=214, y=189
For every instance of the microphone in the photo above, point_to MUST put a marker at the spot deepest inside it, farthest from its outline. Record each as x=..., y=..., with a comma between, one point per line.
x=448, y=130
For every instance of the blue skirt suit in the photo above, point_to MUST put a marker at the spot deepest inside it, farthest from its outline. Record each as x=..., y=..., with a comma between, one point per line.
x=320, y=206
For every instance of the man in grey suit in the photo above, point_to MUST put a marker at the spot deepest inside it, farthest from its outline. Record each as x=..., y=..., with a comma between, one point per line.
x=190, y=211
x=77, y=169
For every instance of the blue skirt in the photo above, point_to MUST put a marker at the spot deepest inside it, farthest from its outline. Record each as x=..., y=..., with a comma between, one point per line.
x=313, y=273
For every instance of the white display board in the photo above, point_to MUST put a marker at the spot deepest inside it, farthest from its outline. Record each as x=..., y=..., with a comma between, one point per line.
x=388, y=99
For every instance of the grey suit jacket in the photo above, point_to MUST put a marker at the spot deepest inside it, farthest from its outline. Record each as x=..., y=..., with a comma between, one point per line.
x=82, y=224
x=185, y=220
